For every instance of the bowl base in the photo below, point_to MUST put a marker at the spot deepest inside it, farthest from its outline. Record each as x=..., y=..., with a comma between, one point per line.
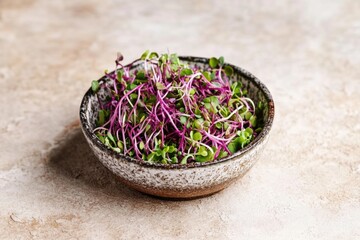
x=175, y=194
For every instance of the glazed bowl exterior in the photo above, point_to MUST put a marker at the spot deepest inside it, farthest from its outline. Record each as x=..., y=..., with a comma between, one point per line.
x=176, y=180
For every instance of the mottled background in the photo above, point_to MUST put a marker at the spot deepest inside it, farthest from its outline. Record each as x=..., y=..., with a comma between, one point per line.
x=306, y=184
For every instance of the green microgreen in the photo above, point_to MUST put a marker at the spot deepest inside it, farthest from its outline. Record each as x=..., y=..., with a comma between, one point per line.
x=213, y=62
x=95, y=86
x=229, y=71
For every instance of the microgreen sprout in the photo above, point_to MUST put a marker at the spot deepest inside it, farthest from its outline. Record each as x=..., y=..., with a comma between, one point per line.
x=168, y=112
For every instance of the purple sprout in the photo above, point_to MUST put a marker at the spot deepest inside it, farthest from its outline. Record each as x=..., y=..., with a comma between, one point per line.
x=169, y=112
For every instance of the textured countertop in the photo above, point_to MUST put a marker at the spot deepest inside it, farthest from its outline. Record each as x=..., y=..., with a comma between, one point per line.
x=306, y=185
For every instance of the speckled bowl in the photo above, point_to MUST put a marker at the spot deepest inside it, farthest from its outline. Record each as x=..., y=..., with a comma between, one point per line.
x=180, y=181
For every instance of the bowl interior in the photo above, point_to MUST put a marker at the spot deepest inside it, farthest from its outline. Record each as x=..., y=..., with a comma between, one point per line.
x=257, y=91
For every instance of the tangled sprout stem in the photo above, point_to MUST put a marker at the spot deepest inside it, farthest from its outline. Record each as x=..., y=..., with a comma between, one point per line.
x=168, y=112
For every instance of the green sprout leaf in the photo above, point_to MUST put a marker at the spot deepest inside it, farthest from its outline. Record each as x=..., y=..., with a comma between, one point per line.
x=101, y=120
x=248, y=115
x=184, y=160
x=191, y=134
x=222, y=154
x=211, y=103
x=141, y=145
x=153, y=55
x=224, y=112
x=202, y=151
x=119, y=75
x=207, y=100
x=207, y=106
x=204, y=155
x=110, y=141
x=219, y=125
x=140, y=75
x=186, y=72
x=221, y=60
x=101, y=137
x=233, y=146
x=174, y=160
x=206, y=124
x=249, y=131
x=111, y=138
x=144, y=55
x=95, y=86
x=214, y=101
x=116, y=150
x=212, y=75
x=174, y=59
x=197, y=136
x=172, y=149
x=229, y=71
x=207, y=75
x=198, y=112
x=131, y=86
x=242, y=138
x=151, y=157
x=133, y=96
x=198, y=123
x=183, y=119
x=164, y=58
x=213, y=62
x=160, y=86
x=252, y=120
x=120, y=145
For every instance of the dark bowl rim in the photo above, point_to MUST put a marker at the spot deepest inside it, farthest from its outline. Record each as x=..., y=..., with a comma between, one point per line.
x=244, y=73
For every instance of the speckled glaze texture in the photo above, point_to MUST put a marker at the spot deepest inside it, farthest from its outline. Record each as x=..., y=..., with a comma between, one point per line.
x=180, y=181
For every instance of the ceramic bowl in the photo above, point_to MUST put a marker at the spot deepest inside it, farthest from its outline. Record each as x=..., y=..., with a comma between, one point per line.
x=180, y=181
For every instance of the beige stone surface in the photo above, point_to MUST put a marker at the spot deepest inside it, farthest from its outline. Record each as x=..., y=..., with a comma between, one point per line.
x=306, y=184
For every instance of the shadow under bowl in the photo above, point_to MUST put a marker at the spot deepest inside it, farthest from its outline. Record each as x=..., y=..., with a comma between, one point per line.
x=175, y=180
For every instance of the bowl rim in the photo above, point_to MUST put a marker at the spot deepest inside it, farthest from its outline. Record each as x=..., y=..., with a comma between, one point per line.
x=120, y=156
